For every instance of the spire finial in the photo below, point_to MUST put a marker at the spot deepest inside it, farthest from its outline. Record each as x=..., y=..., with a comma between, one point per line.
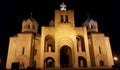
x=63, y=7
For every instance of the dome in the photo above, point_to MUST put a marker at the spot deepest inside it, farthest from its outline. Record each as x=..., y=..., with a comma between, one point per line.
x=30, y=25
x=91, y=25
x=31, y=19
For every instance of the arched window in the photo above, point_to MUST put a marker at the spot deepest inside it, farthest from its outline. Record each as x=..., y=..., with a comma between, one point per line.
x=93, y=27
x=99, y=50
x=28, y=26
x=23, y=50
x=80, y=43
x=62, y=20
x=49, y=48
x=49, y=44
x=66, y=18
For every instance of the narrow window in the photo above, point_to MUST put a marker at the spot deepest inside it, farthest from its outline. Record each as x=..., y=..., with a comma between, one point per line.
x=99, y=50
x=82, y=44
x=28, y=26
x=61, y=18
x=23, y=49
x=49, y=47
x=92, y=26
x=66, y=18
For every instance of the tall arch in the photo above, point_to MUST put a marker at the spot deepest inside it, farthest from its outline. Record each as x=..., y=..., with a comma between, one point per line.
x=65, y=57
x=80, y=43
x=49, y=44
x=49, y=62
x=82, y=62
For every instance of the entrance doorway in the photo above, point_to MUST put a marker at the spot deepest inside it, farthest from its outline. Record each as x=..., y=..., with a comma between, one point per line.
x=49, y=62
x=65, y=57
x=82, y=61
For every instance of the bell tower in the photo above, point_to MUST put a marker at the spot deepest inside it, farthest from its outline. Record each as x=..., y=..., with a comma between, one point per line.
x=64, y=16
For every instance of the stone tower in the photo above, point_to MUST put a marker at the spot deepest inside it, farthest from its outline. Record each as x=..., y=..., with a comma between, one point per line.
x=99, y=45
x=64, y=17
x=23, y=46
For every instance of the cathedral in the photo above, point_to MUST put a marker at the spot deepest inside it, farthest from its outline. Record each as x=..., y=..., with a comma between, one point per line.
x=59, y=45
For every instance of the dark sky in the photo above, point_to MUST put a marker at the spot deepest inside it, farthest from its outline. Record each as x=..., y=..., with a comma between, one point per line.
x=13, y=12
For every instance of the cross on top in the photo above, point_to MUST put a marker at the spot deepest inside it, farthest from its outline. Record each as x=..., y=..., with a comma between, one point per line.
x=63, y=7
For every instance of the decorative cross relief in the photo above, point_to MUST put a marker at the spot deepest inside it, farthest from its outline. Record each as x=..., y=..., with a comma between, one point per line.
x=63, y=7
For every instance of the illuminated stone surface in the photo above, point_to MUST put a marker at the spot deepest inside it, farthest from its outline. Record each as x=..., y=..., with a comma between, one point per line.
x=60, y=45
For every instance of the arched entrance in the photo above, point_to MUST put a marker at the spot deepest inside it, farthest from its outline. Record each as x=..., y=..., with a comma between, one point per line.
x=65, y=57
x=82, y=61
x=49, y=62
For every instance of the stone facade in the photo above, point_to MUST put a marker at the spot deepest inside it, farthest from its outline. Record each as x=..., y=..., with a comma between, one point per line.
x=60, y=45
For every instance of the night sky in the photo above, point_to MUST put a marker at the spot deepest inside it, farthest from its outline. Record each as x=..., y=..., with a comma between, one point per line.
x=13, y=12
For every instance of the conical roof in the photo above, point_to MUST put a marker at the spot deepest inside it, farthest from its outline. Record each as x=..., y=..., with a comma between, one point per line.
x=31, y=19
x=89, y=21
